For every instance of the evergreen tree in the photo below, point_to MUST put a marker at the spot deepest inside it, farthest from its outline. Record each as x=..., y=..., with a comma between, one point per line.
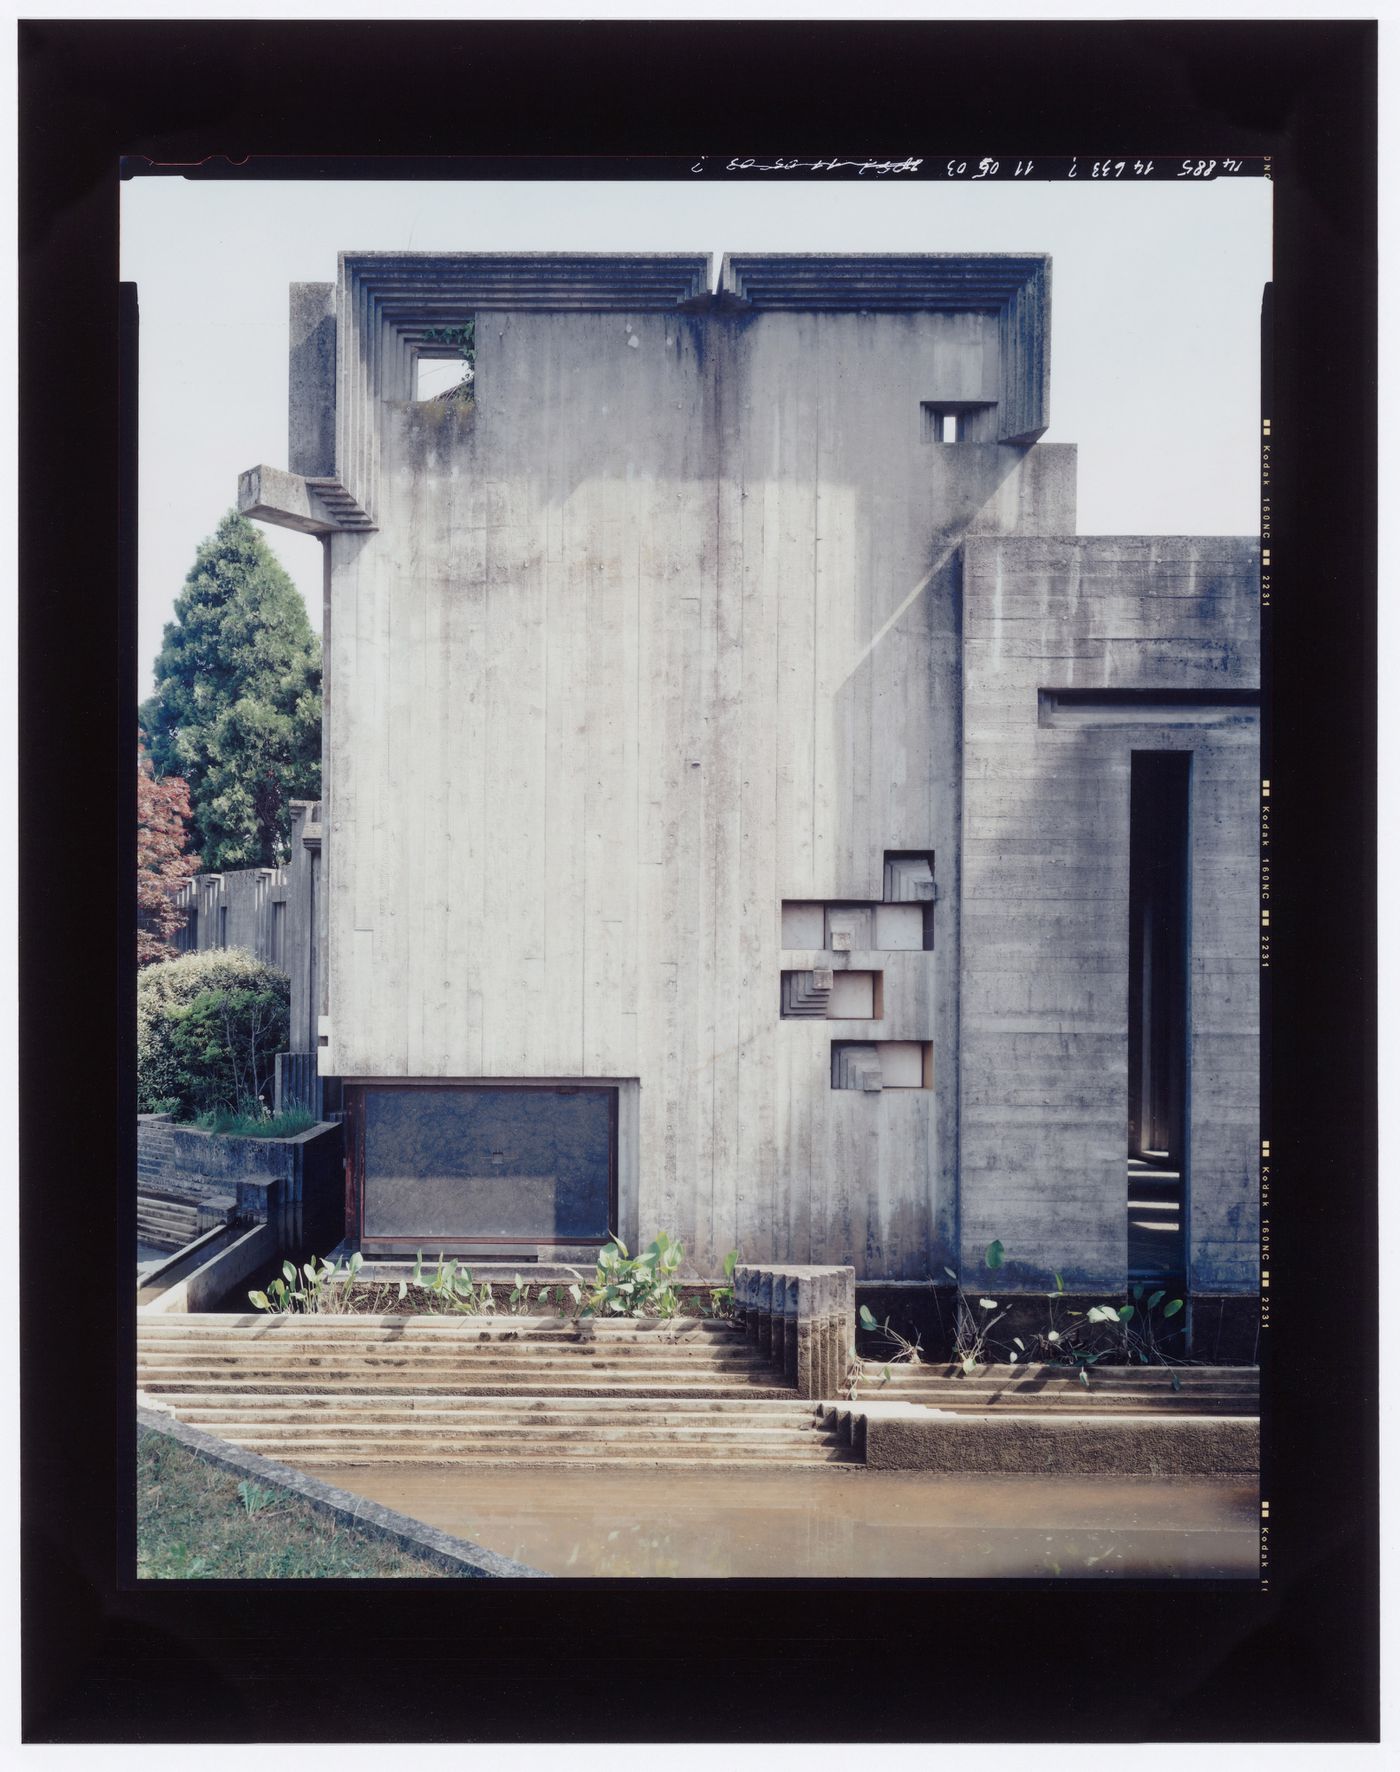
x=237, y=705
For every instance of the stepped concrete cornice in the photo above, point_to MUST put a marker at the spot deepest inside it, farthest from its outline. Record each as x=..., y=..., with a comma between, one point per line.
x=876, y=282
x=1013, y=286
x=417, y=292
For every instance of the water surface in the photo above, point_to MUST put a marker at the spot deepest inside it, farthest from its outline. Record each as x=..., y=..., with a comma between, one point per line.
x=838, y=1522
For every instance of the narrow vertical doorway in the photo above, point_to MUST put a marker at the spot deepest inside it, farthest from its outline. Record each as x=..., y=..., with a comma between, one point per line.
x=1158, y=953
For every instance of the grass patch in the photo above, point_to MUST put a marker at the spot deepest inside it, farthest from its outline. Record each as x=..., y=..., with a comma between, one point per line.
x=194, y=1520
x=283, y=1125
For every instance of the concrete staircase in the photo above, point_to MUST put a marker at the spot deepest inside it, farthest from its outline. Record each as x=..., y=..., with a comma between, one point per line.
x=166, y=1223
x=1154, y=1221
x=479, y=1391
x=1204, y=1390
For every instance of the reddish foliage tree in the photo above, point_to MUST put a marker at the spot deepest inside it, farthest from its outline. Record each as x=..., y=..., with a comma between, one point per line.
x=162, y=833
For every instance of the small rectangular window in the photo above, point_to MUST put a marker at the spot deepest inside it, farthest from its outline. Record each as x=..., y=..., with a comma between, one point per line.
x=436, y=376
x=958, y=421
x=223, y=925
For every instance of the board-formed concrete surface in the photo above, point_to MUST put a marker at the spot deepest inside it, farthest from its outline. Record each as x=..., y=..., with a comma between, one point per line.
x=1045, y=892
x=724, y=596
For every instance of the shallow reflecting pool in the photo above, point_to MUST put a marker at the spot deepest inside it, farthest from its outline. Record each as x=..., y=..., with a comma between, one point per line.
x=831, y=1523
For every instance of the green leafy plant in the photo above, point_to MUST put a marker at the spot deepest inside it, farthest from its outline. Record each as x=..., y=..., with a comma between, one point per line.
x=519, y=1301
x=973, y=1324
x=254, y=1497
x=905, y=1352
x=325, y=1288
x=722, y=1297
x=1133, y=1331
x=636, y=1285
x=452, y=1288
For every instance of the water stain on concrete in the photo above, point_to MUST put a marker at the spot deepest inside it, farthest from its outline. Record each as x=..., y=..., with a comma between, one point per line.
x=831, y=1523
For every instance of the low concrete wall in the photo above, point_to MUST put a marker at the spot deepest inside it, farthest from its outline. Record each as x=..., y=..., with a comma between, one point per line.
x=183, y=1262
x=189, y=1163
x=909, y=1437
x=454, y=1556
x=201, y=1290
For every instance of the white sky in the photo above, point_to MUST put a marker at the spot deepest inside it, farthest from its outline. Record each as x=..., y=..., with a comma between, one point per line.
x=1154, y=343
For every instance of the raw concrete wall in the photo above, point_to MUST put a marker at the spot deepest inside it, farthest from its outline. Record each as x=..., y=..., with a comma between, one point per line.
x=671, y=625
x=272, y=913
x=660, y=632
x=234, y=910
x=1045, y=897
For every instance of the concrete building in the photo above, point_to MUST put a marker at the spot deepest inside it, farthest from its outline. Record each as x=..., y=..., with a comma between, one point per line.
x=751, y=810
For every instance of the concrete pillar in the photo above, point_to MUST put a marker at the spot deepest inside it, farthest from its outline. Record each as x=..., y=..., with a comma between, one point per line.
x=764, y=1305
x=790, y=1289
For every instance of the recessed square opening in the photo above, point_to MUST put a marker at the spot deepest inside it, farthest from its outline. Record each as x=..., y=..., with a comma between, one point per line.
x=826, y=994
x=873, y=1066
x=857, y=928
x=436, y=376
x=444, y=361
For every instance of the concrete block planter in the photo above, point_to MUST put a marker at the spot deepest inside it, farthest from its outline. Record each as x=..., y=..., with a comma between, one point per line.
x=299, y=1177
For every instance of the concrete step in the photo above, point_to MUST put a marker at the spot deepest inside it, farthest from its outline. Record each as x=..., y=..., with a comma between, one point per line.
x=388, y=1358
x=1209, y=1390
x=426, y=1433
x=543, y=1373
x=419, y=1418
x=525, y=1412
x=837, y=1458
x=313, y=1374
x=527, y=1331
x=456, y=1322
x=350, y=1449
x=561, y=1353
x=1102, y=1403
x=1029, y=1377
x=1108, y=1379
x=172, y=1220
x=602, y=1386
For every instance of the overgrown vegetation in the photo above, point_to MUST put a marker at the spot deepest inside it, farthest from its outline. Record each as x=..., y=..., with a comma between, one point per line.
x=1133, y=1332
x=287, y=1124
x=208, y=1029
x=196, y=1521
